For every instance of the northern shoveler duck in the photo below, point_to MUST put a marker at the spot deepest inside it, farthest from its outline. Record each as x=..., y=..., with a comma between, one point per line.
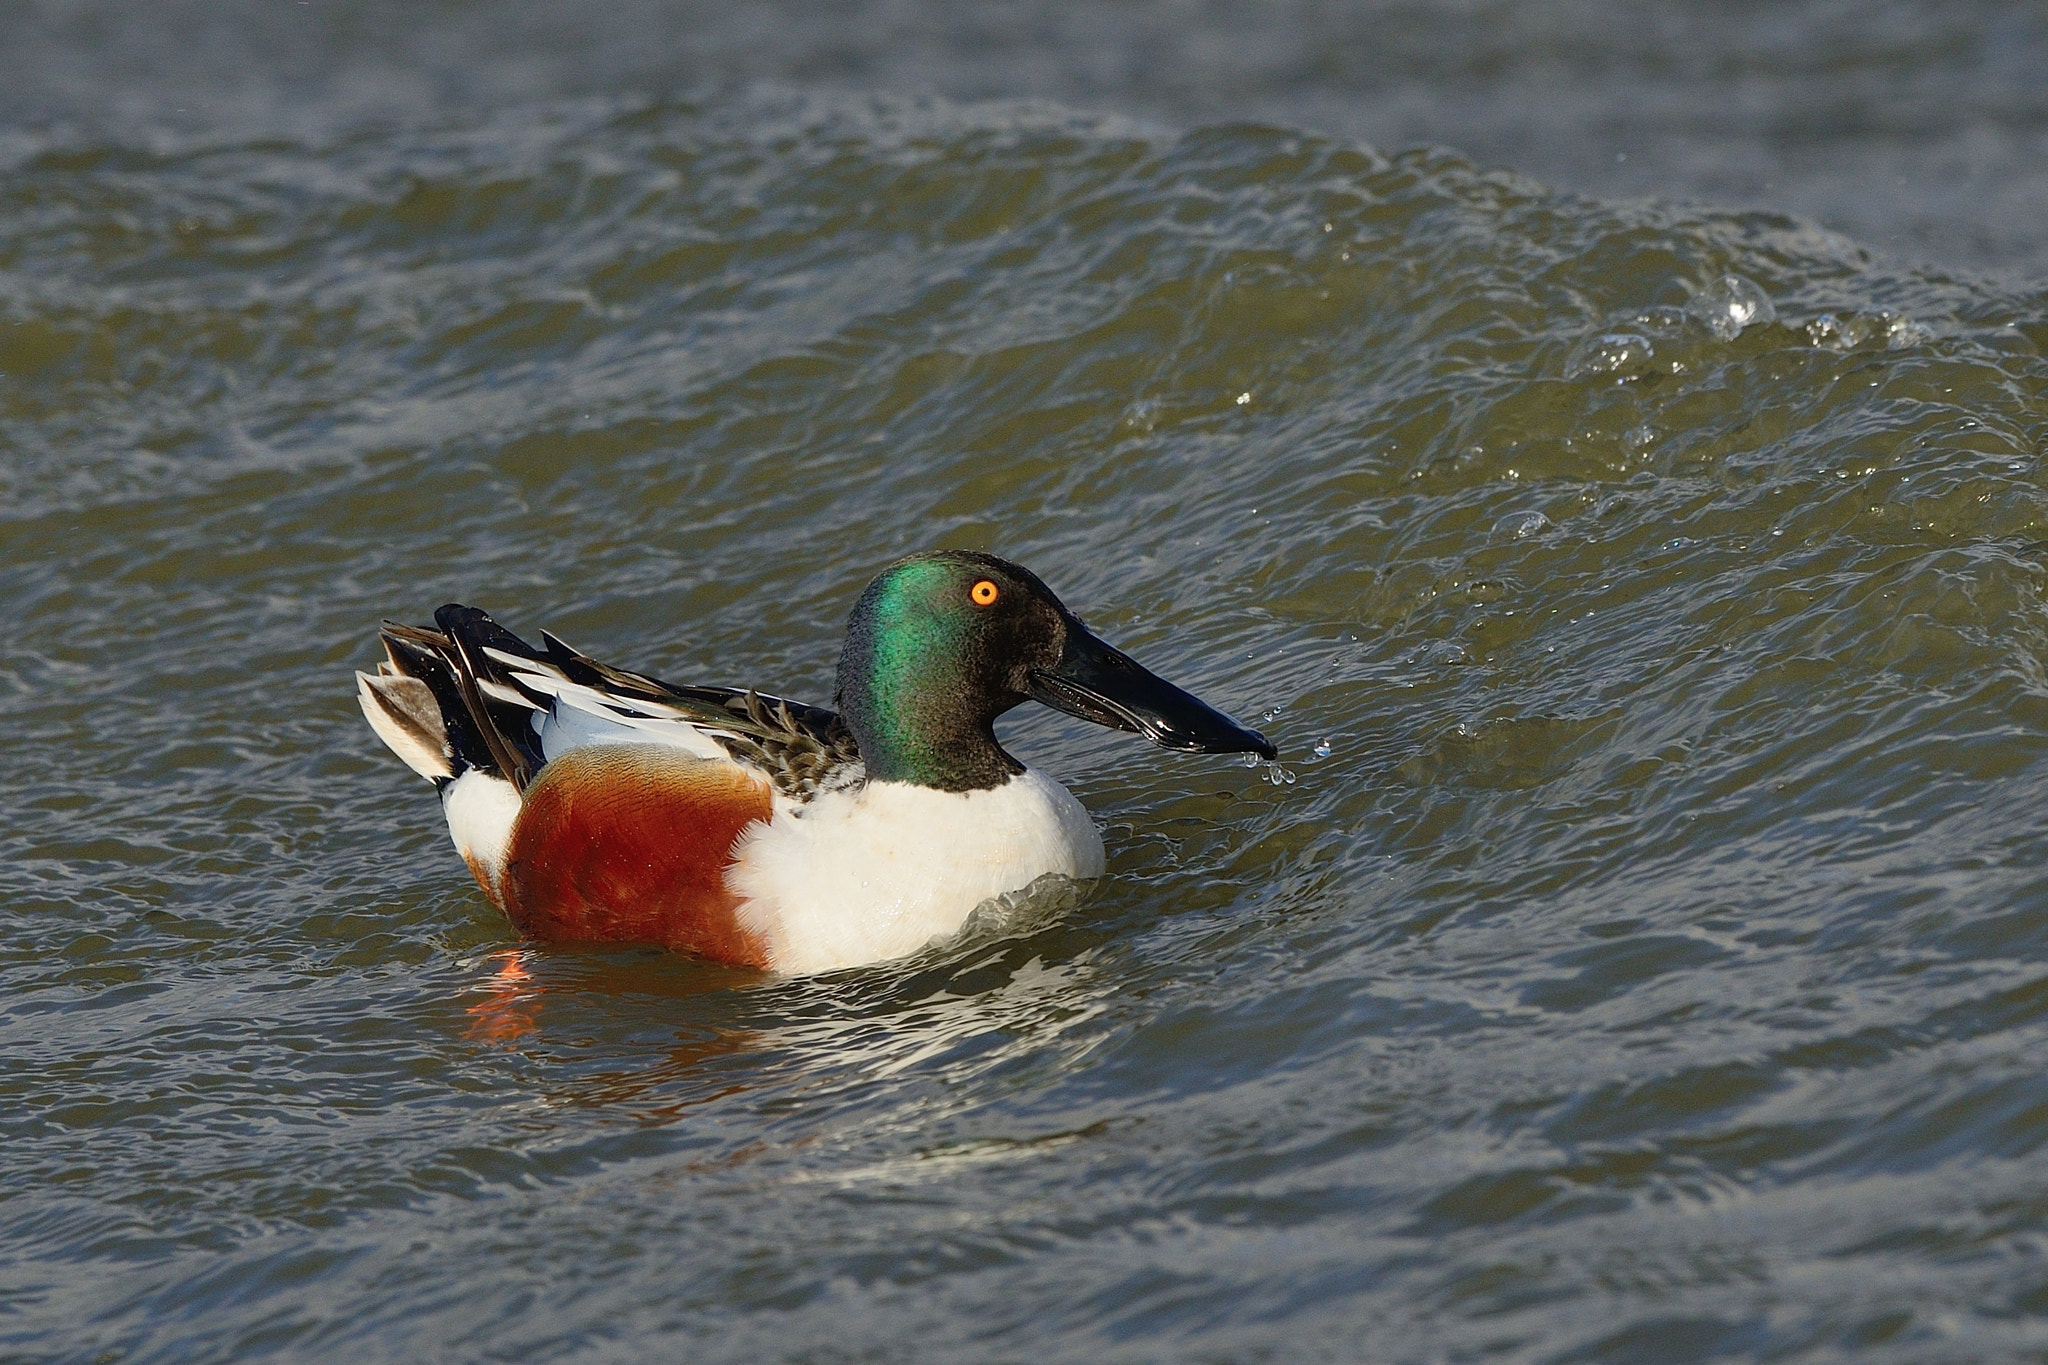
x=597, y=805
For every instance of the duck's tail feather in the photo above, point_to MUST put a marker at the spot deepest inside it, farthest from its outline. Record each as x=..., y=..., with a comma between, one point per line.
x=406, y=716
x=443, y=705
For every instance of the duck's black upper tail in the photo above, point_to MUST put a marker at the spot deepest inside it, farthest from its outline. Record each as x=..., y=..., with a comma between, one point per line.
x=443, y=704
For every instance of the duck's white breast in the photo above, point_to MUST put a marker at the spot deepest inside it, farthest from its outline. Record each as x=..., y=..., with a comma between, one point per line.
x=880, y=871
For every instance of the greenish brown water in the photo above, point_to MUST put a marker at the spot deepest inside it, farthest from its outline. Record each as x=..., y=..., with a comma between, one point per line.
x=1647, y=962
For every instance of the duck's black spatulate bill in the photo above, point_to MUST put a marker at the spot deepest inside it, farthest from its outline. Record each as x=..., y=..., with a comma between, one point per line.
x=1097, y=682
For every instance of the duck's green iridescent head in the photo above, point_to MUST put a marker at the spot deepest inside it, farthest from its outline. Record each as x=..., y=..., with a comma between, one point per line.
x=941, y=644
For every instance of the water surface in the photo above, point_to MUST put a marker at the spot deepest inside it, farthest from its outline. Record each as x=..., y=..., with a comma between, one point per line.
x=1645, y=963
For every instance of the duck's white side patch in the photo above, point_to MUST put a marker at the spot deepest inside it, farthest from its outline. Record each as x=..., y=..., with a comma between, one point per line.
x=881, y=871
x=480, y=810
x=576, y=722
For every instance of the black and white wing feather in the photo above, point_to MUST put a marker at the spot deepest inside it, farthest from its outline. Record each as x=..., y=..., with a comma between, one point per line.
x=802, y=749
x=472, y=695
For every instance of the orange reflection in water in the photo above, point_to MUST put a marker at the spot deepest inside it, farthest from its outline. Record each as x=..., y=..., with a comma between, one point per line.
x=511, y=1008
x=509, y=1014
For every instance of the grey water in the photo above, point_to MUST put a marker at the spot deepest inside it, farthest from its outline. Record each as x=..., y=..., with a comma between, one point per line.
x=1601, y=445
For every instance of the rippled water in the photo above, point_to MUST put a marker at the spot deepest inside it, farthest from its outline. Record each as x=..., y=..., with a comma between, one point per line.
x=1647, y=962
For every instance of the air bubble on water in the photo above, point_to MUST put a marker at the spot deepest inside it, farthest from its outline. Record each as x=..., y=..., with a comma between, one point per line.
x=1829, y=331
x=1521, y=525
x=1901, y=332
x=1885, y=328
x=1625, y=355
x=1730, y=304
x=1323, y=748
x=1142, y=415
x=1662, y=321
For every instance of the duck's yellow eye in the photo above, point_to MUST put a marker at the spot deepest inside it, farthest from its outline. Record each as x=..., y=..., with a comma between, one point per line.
x=984, y=593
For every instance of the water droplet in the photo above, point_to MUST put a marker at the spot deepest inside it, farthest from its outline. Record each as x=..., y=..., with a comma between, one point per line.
x=1730, y=304
x=1323, y=748
x=1277, y=775
x=1244, y=398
